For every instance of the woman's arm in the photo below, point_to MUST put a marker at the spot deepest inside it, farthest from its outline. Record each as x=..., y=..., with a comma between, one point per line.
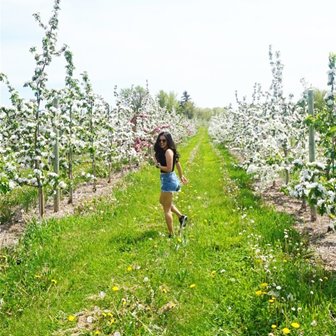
x=180, y=172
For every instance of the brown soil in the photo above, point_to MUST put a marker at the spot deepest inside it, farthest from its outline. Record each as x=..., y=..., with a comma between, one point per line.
x=320, y=233
x=10, y=233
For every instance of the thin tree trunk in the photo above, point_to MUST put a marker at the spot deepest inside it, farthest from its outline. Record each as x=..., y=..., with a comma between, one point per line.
x=56, y=166
x=313, y=214
x=70, y=160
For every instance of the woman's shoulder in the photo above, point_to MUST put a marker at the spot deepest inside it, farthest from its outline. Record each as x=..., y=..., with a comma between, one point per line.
x=169, y=151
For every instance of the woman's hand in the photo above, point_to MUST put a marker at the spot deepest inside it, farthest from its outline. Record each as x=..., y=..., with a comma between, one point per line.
x=158, y=165
x=184, y=180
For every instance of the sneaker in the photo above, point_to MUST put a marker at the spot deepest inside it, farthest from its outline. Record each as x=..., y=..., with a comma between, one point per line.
x=183, y=221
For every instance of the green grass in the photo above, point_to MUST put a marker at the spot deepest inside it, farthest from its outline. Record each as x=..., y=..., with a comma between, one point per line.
x=117, y=265
x=21, y=198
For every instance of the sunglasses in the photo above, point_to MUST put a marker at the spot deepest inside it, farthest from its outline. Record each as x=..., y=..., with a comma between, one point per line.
x=162, y=140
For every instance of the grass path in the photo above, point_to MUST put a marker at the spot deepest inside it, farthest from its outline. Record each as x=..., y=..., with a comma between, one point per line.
x=237, y=269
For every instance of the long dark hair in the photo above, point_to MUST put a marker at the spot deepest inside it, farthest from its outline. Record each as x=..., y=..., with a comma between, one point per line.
x=170, y=144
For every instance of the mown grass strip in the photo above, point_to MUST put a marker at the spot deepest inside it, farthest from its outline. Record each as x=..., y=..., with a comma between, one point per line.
x=117, y=269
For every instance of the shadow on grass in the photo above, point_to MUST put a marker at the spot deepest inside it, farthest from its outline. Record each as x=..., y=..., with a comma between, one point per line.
x=134, y=238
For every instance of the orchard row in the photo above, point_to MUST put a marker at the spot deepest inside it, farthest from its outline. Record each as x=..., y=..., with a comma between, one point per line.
x=45, y=141
x=276, y=138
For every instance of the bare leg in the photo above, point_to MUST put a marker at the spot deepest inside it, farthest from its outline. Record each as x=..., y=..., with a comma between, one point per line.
x=166, y=199
x=176, y=211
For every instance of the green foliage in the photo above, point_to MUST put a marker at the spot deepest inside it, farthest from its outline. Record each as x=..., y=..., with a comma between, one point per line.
x=187, y=107
x=207, y=112
x=134, y=97
x=19, y=199
x=319, y=102
x=168, y=100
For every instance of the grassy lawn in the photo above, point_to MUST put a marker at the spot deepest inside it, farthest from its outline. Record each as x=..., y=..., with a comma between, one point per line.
x=237, y=269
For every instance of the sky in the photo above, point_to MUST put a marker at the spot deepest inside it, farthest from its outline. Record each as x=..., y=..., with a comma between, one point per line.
x=209, y=48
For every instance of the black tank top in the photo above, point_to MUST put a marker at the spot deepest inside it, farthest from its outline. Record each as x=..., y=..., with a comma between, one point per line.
x=161, y=157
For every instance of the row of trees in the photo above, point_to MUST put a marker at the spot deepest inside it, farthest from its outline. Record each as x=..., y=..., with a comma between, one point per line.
x=277, y=138
x=61, y=135
x=186, y=106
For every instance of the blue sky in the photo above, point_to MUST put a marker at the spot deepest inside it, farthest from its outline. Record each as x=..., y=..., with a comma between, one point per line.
x=209, y=48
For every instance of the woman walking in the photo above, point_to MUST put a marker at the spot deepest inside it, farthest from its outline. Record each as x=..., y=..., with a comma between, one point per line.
x=166, y=159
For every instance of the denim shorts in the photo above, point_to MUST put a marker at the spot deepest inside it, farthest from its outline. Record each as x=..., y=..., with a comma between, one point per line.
x=169, y=182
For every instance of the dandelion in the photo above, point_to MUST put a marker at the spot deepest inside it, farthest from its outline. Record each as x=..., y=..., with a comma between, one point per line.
x=264, y=285
x=115, y=288
x=295, y=325
x=97, y=332
x=71, y=318
x=259, y=292
x=54, y=282
x=285, y=331
x=271, y=300
x=192, y=286
x=273, y=326
x=213, y=273
x=163, y=289
x=129, y=268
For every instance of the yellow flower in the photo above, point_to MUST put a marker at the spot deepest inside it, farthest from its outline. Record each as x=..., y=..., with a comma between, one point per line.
x=264, y=285
x=115, y=288
x=285, y=331
x=129, y=268
x=213, y=273
x=273, y=326
x=163, y=289
x=54, y=281
x=179, y=240
x=295, y=325
x=259, y=292
x=97, y=332
x=271, y=300
x=71, y=318
x=192, y=286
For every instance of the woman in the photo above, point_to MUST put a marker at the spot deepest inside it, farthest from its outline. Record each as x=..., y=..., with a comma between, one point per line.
x=166, y=159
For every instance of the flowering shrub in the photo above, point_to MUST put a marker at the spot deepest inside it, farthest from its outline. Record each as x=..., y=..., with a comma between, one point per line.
x=72, y=126
x=271, y=135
